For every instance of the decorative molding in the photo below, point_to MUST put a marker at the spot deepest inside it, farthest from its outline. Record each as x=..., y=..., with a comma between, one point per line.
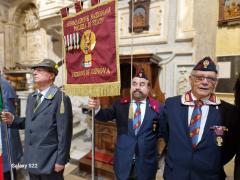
x=185, y=28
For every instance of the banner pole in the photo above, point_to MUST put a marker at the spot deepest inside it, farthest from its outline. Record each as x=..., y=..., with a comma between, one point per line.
x=93, y=144
x=8, y=151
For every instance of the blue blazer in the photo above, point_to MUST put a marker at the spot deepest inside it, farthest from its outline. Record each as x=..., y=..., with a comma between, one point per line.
x=143, y=145
x=182, y=161
x=16, y=151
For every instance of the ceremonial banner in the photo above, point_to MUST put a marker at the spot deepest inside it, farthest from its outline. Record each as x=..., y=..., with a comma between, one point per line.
x=91, y=51
x=94, y=2
x=64, y=12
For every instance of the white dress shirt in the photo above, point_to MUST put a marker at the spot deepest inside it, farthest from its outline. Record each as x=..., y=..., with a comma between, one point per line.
x=44, y=92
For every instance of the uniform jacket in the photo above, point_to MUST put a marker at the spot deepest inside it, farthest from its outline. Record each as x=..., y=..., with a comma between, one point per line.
x=143, y=145
x=231, y=119
x=182, y=162
x=48, y=132
x=9, y=97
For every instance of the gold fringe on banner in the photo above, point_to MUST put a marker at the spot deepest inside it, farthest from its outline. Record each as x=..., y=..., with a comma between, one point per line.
x=94, y=90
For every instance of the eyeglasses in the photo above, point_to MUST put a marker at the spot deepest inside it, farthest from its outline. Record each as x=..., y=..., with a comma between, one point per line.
x=201, y=78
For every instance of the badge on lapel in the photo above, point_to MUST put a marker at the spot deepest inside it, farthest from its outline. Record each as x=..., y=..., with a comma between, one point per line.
x=219, y=132
x=155, y=125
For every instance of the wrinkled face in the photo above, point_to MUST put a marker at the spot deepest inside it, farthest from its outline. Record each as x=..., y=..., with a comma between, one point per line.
x=203, y=83
x=42, y=75
x=139, y=88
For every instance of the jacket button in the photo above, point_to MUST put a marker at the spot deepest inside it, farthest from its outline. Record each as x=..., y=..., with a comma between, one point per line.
x=30, y=131
x=30, y=144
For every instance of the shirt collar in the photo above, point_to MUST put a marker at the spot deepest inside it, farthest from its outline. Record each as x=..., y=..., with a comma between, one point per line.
x=48, y=93
x=141, y=102
x=44, y=92
x=188, y=99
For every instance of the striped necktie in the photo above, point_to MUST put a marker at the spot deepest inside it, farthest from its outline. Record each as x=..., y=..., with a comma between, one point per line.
x=137, y=118
x=195, y=122
x=37, y=101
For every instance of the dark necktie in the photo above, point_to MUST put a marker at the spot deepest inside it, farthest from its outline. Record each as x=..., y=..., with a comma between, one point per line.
x=37, y=101
x=195, y=122
x=137, y=118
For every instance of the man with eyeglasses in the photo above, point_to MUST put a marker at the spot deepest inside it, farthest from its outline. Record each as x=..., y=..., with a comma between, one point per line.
x=48, y=126
x=195, y=128
x=136, y=148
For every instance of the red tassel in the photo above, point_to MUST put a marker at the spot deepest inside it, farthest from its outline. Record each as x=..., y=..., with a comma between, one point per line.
x=78, y=6
x=94, y=2
x=64, y=12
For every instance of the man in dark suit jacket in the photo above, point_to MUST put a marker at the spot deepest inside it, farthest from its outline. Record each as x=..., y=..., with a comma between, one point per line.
x=48, y=126
x=237, y=158
x=232, y=147
x=194, y=128
x=136, y=147
x=231, y=119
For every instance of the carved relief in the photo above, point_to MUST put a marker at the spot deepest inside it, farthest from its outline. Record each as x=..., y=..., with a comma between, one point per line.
x=182, y=83
x=181, y=78
x=31, y=20
x=35, y=45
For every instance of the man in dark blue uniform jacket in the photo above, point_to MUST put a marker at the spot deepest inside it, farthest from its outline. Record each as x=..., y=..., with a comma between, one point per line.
x=136, y=147
x=195, y=131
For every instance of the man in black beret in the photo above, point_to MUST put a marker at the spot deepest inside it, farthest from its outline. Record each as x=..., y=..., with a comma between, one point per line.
x=194, y=128
x=48, y=125
x=138, y=129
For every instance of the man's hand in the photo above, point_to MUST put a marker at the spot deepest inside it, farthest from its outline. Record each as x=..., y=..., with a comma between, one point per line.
x=58, y=167
x=94, y=102
x=7, y=117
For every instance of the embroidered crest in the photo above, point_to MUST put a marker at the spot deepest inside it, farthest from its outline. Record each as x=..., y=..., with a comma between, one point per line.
x=205, y=63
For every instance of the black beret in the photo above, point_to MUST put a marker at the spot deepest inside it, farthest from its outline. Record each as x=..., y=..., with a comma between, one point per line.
x=141, y=74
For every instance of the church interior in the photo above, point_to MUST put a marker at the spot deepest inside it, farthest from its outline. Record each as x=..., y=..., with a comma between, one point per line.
x=164, y=37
